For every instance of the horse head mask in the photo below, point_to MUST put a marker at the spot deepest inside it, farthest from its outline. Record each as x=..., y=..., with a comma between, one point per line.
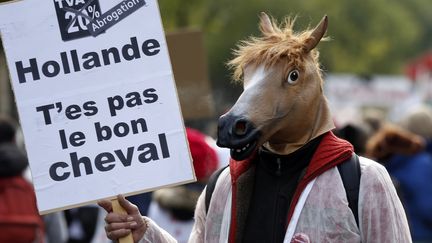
x=282, y=106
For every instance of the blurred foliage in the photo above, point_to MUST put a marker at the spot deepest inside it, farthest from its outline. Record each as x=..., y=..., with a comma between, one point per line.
x=367, y=36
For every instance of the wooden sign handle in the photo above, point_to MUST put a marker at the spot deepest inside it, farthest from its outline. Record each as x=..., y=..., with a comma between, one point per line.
x=117, y=208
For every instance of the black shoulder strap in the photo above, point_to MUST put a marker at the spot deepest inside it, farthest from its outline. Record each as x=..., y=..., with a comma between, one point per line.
x=211, y=184
x=349, y=171
x=350, y=174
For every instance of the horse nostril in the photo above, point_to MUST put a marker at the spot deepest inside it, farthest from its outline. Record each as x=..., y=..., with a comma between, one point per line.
x=240, y=128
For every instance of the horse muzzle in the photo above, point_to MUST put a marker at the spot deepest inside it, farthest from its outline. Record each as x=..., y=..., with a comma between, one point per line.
x=239, y=135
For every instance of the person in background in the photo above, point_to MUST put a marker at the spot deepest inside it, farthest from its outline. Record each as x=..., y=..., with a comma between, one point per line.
x=142, y=201
x=19, y=218
x=7, y=130
x=173, y=208
x=14, y=163
x=407, y=155
x=356, y=134
x=86, y=225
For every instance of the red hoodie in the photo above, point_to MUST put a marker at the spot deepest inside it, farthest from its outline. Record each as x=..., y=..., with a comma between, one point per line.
x=330, y=152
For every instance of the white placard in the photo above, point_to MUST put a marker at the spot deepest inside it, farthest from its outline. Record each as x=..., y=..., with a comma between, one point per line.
x=98, y=107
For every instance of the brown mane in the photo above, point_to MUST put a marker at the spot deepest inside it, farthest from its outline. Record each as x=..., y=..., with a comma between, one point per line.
x=271, y=47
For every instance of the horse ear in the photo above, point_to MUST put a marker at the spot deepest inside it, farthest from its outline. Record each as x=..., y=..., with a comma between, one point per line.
x=266, y=25
x=316, y=35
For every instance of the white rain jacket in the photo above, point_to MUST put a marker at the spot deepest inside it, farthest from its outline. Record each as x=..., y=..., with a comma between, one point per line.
x=321, y=213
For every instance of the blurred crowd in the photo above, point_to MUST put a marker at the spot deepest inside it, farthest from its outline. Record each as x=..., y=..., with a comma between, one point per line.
x=404, y=147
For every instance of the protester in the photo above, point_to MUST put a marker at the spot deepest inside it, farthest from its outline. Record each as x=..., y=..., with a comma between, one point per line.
x=356, y=134
x=391, y=140
x=283, y=183
x=55, y=227
x=85, y=225
x=409, y=161
x=16, y=163
x=142, y=201
x=19, y=218
x=7, y=130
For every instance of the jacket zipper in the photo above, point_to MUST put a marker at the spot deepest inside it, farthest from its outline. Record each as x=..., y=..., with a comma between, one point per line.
x=279, y=169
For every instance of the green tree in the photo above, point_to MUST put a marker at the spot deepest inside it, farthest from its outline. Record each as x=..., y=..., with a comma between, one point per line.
x=368, y=36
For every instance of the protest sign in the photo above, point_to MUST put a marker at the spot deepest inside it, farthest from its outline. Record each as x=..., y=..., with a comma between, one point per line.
x=96, y=98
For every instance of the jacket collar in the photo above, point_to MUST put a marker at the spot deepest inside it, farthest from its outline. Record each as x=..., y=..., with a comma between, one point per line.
x=330, y=152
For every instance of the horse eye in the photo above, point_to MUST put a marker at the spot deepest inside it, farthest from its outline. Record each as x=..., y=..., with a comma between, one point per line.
x=293, y=77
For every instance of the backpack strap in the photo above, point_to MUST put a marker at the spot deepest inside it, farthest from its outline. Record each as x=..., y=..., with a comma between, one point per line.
x=350, y=173
x=211, y=184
